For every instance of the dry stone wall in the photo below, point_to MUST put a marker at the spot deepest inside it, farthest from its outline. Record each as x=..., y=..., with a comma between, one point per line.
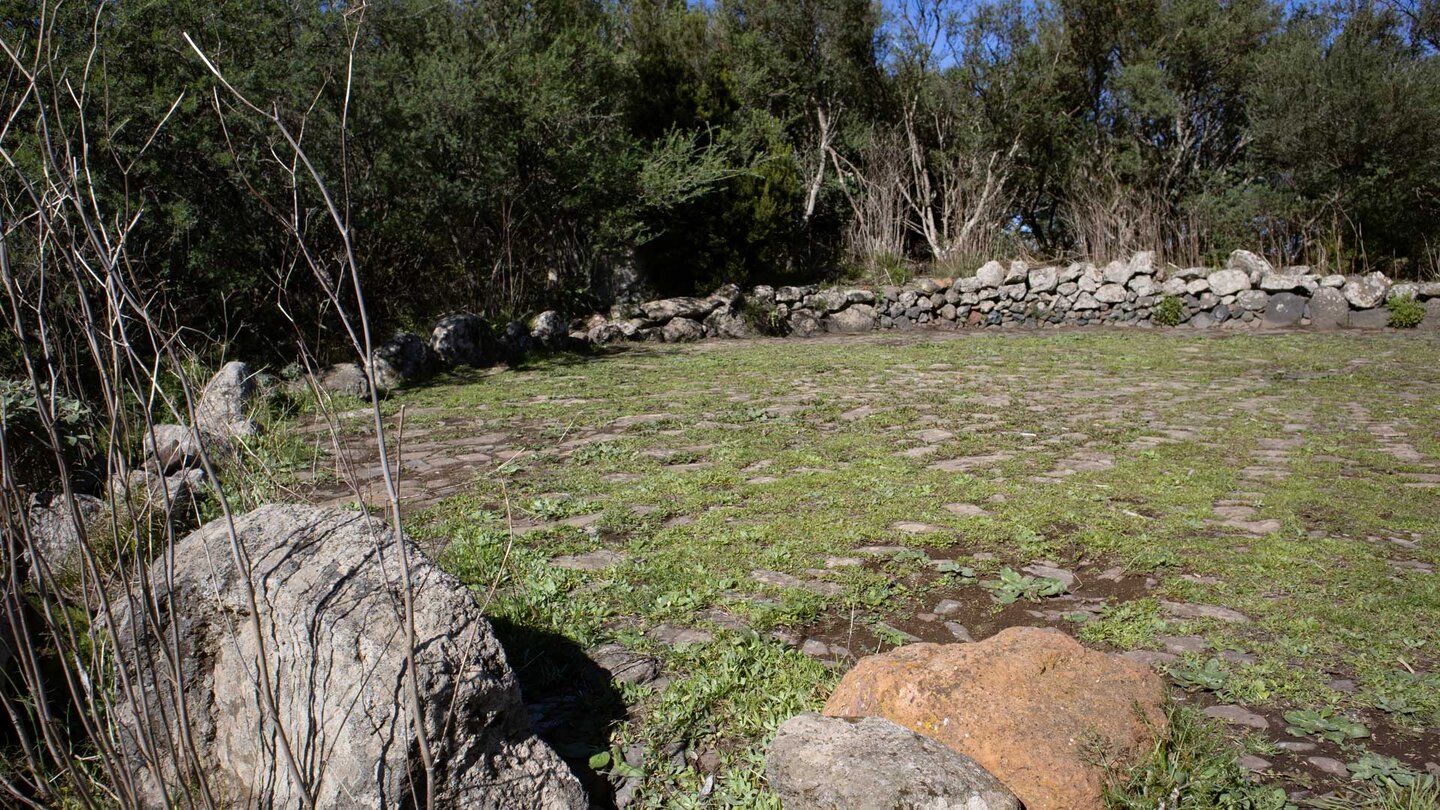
x=1139, y=291
x=1247, y=292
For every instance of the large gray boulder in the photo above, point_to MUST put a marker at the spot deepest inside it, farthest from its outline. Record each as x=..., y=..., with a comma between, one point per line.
x=1229, y=281
x=220, y=412
x=727, y=323
x=830, y=763
x=331, y=633
x=1252, y=265
x=830, y=300
x=1366, y=292
x=54, y=533
x=401, y=360
x=1111, y=294
x=1118, y=272
x=1285, y=309
x=682, y=330
x=344, y=378
x=854, y=318
x=463, y=339
x=667, y=308
x=549, y=330
x=991, y=274
x=172, y=447
x=1328, y=309
x=1043, y=279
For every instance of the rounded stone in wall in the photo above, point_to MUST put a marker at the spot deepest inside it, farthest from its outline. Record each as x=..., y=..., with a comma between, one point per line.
x=1284, y=309
x=1328, y=309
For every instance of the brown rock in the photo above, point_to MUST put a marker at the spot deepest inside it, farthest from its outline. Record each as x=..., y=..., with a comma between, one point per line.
x=1031, y=705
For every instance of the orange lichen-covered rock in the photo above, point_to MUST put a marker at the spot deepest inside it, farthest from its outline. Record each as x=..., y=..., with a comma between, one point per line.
x=1042, y=713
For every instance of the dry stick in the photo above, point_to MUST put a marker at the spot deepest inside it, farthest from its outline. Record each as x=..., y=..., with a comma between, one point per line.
x=90, y=233
x=391, y=487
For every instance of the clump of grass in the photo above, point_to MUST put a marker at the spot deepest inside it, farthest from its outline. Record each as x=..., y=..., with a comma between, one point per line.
x=1128, y=625
x=1405, y=312
x=1191, y=768
x=1169, y=312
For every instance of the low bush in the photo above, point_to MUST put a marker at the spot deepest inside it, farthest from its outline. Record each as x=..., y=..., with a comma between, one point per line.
x=1405, y=312
x=1169, y=312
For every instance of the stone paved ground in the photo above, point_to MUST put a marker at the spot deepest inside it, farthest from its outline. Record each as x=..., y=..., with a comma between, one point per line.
x=736, y=522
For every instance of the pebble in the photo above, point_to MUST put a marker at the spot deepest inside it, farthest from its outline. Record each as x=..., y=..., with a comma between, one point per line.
x=1237, y=715
x=1250, y=762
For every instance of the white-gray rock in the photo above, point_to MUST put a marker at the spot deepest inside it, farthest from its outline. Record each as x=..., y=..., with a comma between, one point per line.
x=1252, y=265
x=1366, y=292
x=854, y=318
x=402, y=359
x=1252, y=300
x=463, y=339
x=991, y=274
x=830, y=763
x=1328, y=309
x=1118, y=272
x=548, y=330
x=220, y=411
x=1334, y=280
x=1043, y=279
x=172, y=447
x=347, y=379
x=55, y=534
x=682, y=330
x=1142, y=285
x=331, y=632
x=1230, y=281
x=684, y=307
x=1017, y=272
x=1085, y=301
x=1111, y=294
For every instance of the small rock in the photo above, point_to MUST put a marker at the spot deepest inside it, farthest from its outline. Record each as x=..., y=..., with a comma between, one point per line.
x=1334, y=767
x=1185, y=610
x=1237, y=716
x=1252, y=763
x=676, y=636
x=947, y=607
x=590, y=561
x=625, y=665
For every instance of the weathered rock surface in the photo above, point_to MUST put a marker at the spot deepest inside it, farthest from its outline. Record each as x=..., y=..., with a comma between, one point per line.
x=827, y=763
x=463, y=339
x=854, y=318
x=666, y=308
x=682, y=330
x=549, y=330
x=1030, y=705
x=402, y=359
x=172, y=447
x=1328, y=309
x=54, y=533
x=1284, y=309
x=220, y=411
x=344, y=378
x=331, y=632
x=1229, y=282
x=1366, y=292
x=1252, y=265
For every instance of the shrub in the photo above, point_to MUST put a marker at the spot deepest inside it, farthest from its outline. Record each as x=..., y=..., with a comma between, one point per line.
x=31, y=454
x=1405, y=312
x=1169, y=312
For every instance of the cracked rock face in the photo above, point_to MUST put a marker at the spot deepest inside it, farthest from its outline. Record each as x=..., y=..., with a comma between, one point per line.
x=330, y=630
